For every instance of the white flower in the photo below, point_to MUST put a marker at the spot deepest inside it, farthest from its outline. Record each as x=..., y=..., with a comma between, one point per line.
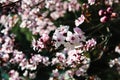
x=51, y=78
x=34, y=44
x=31, y=67
x=32, y=75
x=2, y=1
x=25, y=73
x=23, y=64
x=117, y=49
x=36, y=58
x=55, y=15
x=46, y=61
x=54, y=61
x=23, y=24
x=3, y=19
x=69, y=46
x=91, y=2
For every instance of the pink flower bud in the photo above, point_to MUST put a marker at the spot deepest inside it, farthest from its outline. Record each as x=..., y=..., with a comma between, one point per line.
x=103, y=19
x=109, y=10
x=105, y=13
x=101, y=12
x=113, y=15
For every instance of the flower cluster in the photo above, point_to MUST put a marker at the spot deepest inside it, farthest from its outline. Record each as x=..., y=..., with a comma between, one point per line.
x=6, y=48
x=74, y=45
x=14, y=75
x=72, y=56
x=115, y=62
x=42, y=43
x=91, y=2
x=38, y=21
x=28, y=65
x=107, y=14
x=63, y=36
x=7, y=1
x=8, y=22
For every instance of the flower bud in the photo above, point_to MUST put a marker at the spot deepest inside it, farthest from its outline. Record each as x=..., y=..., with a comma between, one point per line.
x=101, y=12
x=109, y=10
x=103, y=19
x=113, y=15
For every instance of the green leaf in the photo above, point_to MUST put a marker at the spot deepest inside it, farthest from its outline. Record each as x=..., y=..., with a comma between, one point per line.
x=5, y=76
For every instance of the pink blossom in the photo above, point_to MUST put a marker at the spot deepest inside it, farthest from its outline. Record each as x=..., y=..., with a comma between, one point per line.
x=89, y=44
x=45, y=37
x=80, y=20
x=78, y=31
x=59, y=39
x=42, y=43
x=104, y=19
x=14, y=75
x=55, y=73
x=72, y=38
x=59, y=36
x=18, y=56
x=73, y=5
x=101, y=12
